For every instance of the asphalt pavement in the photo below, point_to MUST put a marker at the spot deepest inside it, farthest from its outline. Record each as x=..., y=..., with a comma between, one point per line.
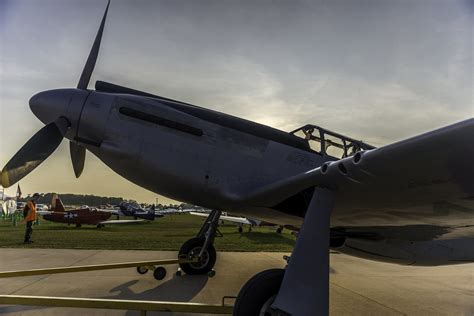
x=358, y=287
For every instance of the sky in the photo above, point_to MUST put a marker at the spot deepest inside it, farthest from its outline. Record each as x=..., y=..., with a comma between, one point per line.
x=378, y=71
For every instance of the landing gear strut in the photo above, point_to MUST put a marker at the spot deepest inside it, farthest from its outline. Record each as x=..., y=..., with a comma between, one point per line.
x=293, y=291
x=201, y=247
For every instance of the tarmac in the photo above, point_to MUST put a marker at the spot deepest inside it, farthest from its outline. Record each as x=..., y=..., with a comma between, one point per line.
x=358, y=286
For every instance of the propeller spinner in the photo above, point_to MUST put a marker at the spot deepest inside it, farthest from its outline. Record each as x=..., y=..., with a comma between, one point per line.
x=51, y=107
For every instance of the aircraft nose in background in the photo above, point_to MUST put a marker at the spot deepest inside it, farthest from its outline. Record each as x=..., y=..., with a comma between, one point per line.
x=51, y=104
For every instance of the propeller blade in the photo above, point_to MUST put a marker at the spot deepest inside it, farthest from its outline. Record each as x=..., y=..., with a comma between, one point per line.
x=78, y=157
x=90, y=63
x=34, y=152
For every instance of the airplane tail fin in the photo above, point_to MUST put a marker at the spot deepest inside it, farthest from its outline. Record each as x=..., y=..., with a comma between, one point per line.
x=57, y=204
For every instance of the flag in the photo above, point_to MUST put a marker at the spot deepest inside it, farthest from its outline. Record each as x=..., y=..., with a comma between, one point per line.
x=18, y=192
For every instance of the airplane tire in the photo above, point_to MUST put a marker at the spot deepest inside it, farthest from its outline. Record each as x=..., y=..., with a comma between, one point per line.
x=191, y=248
x=159, y=273
x=258, y=294
x=240, y=229
x=142, y=270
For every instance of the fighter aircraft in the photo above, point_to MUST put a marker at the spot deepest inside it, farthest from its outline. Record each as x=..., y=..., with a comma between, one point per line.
x=81, y=216
x=135, y=210
x=408, y=202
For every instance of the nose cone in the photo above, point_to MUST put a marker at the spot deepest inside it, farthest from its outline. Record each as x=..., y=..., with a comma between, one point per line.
x=51, y=104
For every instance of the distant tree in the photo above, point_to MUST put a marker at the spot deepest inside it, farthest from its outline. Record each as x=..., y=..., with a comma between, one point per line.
x=78, y=199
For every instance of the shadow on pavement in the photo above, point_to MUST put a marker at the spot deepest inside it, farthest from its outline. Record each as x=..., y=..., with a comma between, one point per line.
x=182, y=289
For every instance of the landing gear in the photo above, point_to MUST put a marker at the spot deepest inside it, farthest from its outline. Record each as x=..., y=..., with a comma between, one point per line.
x=201, y=248
x=78, y=225
x=240, y=229
x=190, y=250
x=259, y=293
x=100, y=225
x=296, y=292
x=279, y=230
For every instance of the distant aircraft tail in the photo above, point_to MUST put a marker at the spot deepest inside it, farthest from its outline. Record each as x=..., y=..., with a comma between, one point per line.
x=57, y=204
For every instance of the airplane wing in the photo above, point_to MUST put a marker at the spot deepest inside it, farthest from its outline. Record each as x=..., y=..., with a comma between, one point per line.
x=170, y=211
x=431, y=167
x=123, y=221
x=234, y=219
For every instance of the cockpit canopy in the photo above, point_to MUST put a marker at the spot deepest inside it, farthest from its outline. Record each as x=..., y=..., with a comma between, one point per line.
x=330, y=143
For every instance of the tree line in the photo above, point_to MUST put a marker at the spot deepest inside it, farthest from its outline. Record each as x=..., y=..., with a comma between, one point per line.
x=77, y=199
x=97, y=201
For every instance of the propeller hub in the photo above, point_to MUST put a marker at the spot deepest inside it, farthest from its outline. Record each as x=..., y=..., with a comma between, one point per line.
x=47, y=106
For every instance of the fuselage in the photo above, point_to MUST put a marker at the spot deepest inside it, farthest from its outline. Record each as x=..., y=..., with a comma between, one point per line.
x=191, y=154
x=79, y=216
x=201, y=156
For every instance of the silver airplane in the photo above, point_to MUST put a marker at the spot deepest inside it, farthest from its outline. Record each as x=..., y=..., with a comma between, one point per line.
x=410, y=202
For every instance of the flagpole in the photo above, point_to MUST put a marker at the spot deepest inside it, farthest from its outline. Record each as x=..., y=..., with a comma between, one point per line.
x=1, y=204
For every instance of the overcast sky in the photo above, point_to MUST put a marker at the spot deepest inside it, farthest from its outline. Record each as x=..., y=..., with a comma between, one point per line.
x=374, y=70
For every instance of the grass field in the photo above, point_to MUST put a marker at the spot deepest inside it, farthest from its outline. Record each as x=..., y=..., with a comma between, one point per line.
x=167, y=233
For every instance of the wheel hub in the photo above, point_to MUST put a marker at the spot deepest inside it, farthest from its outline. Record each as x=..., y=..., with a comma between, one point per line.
x=203, y=261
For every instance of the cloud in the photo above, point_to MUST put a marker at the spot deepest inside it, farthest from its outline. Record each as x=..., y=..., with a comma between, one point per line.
x=377, y=71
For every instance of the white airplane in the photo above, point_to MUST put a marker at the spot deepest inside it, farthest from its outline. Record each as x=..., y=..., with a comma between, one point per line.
x=8, y=207
x=240, y=221
x=409, y=202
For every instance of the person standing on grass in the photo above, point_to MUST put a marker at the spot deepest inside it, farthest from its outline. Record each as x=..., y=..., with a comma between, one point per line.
x=29, y=213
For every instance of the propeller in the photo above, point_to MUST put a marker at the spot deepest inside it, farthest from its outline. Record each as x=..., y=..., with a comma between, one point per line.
x=78, y=153
x=39, y=147
x=78, y=158
x=90, y=63
x=35, y=151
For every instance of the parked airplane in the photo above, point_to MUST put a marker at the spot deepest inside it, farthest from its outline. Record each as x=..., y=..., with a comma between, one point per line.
x=8, y=207
x=41, y=207
x=135, y=210
x=81, y=216
x=240, y=221
x=172, y=211
x=408, y=202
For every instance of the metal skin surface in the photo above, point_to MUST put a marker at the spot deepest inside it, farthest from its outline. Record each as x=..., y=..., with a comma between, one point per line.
x=410, y=202
x=79, y=216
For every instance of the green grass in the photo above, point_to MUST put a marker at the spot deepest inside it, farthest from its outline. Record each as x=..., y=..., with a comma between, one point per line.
x=167, y=233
